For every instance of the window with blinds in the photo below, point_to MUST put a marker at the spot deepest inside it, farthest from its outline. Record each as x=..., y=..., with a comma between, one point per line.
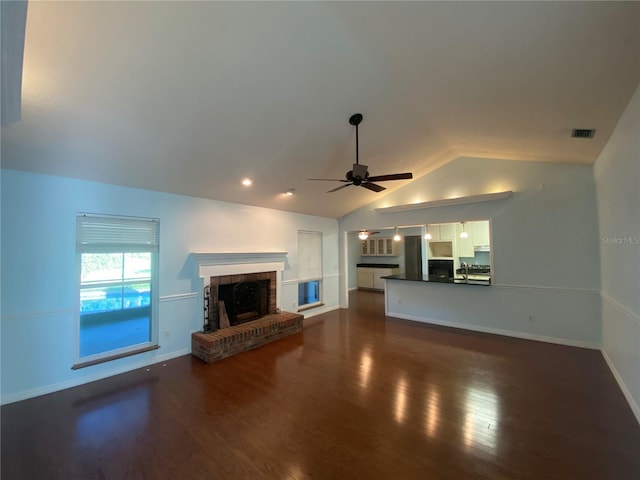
x=309, y=269
x=118, y=285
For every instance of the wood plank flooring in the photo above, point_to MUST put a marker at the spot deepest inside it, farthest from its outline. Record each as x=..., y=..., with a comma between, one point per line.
x=354, y=396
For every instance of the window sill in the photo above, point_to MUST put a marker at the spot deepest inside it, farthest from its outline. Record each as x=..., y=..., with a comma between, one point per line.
x=114, y=357
x=309, y=307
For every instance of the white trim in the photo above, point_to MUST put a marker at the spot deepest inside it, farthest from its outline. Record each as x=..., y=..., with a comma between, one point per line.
x=227, y=258
x=625, y=391
x=43, y=313
x=545, y=288
x=445, y=202
x=81, y=380
x=498, y=331
x=627, y=394
x=294, y=281
x=179, y=296
x=633, y=316
x=297, y=280
x=318, y=311
x=208, y=271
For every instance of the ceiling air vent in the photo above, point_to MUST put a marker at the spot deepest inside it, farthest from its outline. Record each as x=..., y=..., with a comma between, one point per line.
x=583, y=132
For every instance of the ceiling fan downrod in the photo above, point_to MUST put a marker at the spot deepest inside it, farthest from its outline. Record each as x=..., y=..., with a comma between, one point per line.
x=355, y=119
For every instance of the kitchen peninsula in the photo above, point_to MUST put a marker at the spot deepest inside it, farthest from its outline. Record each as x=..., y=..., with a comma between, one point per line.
x=470, y=279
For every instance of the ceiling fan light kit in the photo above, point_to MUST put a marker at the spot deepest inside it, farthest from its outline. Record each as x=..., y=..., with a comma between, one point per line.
x=359, y=174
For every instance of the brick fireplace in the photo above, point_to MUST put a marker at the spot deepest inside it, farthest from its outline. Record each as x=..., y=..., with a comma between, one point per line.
x=241, y=298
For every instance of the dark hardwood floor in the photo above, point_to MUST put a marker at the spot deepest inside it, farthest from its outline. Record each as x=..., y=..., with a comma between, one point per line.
x=355, y=396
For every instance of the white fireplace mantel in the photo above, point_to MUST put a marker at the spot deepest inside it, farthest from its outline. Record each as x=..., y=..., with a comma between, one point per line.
x=231, y=258
x=214, y=264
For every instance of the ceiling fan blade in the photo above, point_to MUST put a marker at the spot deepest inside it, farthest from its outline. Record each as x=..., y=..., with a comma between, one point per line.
x=373, y=186
x=340, y=187
x=393, y=176
x=328, y=179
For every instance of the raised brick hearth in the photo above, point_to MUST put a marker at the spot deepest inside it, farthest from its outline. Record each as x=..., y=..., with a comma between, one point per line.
x=223, y=343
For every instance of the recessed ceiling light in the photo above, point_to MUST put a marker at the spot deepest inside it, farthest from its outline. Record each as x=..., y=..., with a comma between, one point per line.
x=290, y=192
x=247, y=182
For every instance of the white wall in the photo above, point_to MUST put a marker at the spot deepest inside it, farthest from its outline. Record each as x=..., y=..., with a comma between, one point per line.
x=353, y=254
x=545, y=249
x=39, y=288
x=617, y=175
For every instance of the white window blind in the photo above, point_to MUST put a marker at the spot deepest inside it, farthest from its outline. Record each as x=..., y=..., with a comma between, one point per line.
x=106, y=234
x=309, y=256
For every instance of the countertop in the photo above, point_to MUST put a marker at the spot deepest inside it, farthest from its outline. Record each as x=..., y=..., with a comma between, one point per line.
x=378, y=265
x=455, y=281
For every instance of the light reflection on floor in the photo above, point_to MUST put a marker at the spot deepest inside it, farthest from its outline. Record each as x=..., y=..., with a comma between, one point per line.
x=482, y=413
x=365, y=368
x=400, y=407
x=432, y=411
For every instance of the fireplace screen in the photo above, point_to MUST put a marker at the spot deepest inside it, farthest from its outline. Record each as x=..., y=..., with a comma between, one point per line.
x=244, y=301
x=234, y=299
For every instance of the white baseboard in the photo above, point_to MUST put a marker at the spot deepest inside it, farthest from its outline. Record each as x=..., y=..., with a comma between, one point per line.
x=498, y=331
x=625, y=391
x=81, y=380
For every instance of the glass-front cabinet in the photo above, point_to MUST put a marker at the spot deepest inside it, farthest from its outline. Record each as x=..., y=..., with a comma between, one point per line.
x=381, y=246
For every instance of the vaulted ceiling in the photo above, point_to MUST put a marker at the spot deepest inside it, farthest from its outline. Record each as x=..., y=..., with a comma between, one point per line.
x=191, y=97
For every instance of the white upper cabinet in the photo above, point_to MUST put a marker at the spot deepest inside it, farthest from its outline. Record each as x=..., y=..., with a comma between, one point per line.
x=465, y=245
x=368, y=247
x=447, y=231
x=479, y=233
x=443, y=232
x=379, y=246
x=390, y=247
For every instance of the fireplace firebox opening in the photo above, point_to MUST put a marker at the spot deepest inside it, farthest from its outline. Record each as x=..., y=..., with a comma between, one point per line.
x=235, y=299
x=244, y=301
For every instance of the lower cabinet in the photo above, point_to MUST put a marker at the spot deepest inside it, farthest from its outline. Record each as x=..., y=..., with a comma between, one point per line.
x=372, y=277
x=365, y=277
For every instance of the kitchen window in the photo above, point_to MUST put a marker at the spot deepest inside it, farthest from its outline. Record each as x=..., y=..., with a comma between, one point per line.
x=118, y=287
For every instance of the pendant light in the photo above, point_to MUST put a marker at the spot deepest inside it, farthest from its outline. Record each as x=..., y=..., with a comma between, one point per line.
x=464, y=233
x=397, y=237
x=427, y=235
